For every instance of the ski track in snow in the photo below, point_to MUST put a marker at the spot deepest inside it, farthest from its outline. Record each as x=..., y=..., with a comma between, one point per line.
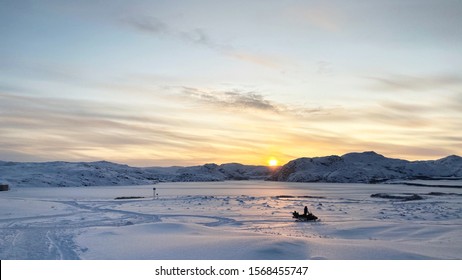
x=53, y=236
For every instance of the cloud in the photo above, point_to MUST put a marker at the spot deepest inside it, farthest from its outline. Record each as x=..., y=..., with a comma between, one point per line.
x=45, y=127
x=399, y=124
x=154, y=26
x=32, y=73
x=414, y=83
x=432, y=101
x=455, y=102
x=49, y=128
x=198, y=36
x=396, y=119
x=250, y=100
x=405, y=108
x=323, y=16
x=411, y=151
x=401, y=114
x=259, y=59
x=232, y=99
x=387, y=22
x=68, y=129
x=150, y=25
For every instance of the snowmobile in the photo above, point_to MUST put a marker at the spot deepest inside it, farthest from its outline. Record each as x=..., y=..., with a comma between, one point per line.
x=308, y=217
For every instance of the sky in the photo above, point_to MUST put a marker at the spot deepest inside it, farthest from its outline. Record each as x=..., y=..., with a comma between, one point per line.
x=161, y=83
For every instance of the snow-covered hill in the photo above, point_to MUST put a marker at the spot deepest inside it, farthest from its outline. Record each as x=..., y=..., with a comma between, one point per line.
x=366, y=167
x=103, y=173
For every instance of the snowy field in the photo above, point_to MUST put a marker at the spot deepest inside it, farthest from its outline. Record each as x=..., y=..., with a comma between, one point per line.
x=232, y=220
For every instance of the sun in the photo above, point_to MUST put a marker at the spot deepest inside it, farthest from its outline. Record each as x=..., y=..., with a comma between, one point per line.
x=273, y=162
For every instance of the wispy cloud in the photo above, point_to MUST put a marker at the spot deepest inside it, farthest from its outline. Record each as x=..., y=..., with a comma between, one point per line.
x=241, y=100
x=79, y=125
x=232, y=99
x=325, y=18
x=68, y=129
x=199, y=36
x=455, y=102
x=416, y=83
x=258, y=59
x=154, y=26
x=401, y=114
x=150, y=25
x=321, y=15
x=432, y=101
x=49, y=128
x=41, y=70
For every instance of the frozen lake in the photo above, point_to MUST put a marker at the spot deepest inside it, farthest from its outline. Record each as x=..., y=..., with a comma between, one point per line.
x=230, y=188
x=232, y=220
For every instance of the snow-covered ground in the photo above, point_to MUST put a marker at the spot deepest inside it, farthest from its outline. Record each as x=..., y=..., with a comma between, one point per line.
x=232, y=220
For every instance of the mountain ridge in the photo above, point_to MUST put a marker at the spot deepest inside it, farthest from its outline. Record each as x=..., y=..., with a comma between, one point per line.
x=365, y=167
x=355, y=167
x=104, y=173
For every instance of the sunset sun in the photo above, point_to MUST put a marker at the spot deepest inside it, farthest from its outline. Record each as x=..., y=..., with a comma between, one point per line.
x=273, y=162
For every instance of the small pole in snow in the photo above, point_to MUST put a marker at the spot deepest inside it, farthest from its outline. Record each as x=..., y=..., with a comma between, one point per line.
x=153, y=193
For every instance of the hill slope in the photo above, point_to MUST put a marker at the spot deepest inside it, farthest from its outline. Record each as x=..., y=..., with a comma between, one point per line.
x=366, y=167
x=103, y=173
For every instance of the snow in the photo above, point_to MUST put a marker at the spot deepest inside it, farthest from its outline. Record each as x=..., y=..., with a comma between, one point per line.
x=103, y=173
x=366, y=167
x=232, y=220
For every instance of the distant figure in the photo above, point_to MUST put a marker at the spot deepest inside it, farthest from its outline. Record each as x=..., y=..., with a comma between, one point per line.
x=295, y=215
x=305, y=211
